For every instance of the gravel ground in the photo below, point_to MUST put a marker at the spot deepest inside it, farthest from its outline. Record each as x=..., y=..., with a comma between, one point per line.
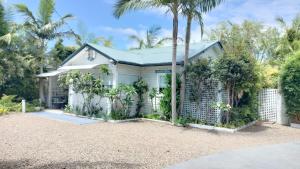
x=28, y=141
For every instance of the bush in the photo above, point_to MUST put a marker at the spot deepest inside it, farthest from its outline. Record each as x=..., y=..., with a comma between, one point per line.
x=118, y=115
x=165, y=102
x=7, y=102
x=290, y=85
x=153, y=116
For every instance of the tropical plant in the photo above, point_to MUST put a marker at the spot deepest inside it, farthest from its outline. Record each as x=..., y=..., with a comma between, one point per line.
x=290, y=80
x=59, y=53
x=42, y=27
x=193, y=9
x=152, y=95
x=151, y=40
x=121, y=99
x=141, y=87
x=173, y=6
x=88, y=86
x=84, y=36
x=165, y=101
x=290, y=42
x=240, y=77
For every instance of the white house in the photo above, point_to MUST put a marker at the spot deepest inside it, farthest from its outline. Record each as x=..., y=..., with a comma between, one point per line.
x=125, y=66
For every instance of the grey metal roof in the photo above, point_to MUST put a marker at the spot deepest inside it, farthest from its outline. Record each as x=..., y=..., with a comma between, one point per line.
x=153, y=56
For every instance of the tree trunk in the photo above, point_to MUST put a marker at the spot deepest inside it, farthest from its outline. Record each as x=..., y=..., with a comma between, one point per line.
x=174, y=53
x=185, y=62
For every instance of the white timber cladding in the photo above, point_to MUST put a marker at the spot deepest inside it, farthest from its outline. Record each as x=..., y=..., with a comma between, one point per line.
x=126, y=74
x=82, y=58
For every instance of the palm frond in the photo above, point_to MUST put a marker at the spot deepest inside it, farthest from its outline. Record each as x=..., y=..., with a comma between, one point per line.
x=46, y=9
x=130, y=5
x=6, y=38
x=161, y=42
x=199, y=18
x=281, y=22
x=23, y=9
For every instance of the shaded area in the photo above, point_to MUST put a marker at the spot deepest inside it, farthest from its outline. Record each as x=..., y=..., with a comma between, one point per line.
x=280, y=156
x=64, y=117
x=26, y=163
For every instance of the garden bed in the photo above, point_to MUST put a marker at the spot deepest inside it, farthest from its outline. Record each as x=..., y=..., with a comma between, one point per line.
x=192, y=125
x=221, y=129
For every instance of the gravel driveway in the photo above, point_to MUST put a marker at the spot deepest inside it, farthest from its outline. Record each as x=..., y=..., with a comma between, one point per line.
x=28, y=141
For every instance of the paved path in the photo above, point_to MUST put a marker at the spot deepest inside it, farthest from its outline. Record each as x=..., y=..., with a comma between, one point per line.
x=280, y=156
x=64, y=117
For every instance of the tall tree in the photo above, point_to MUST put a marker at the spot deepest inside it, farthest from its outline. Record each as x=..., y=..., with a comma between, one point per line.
x=192, y=10
x=173, y=6
x=151, y=40
x=42, y=27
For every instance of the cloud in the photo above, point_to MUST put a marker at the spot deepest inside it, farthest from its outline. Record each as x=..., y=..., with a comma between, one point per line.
x=258, y=10
x=124, y=31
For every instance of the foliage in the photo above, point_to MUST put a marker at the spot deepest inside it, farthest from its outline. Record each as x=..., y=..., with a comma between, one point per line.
x=270, y=76
x=88, y=86
x=240, y=76
x=84, y=36
x=42, y=28
x=289, y=42
x=199, y=74
x=165, y=102
x=141, y=87
x=173, y=7
x=7, y=102
x=118, y=115
x=151, y=40
x=290, y=80
x=121, y=99
x=59, y=53
x=3, y=21
x=152, y=95
x=153, y=116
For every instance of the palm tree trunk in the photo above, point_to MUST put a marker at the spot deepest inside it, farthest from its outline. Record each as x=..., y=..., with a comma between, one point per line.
x=174, y=53
x=186, y=58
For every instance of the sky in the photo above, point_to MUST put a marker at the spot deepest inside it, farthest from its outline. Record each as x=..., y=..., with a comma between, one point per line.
x=96, y=17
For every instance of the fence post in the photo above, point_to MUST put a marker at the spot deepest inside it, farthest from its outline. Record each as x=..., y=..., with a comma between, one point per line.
x=23, y=106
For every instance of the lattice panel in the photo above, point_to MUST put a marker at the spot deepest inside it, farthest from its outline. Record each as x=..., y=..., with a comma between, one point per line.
x=203, y=110
x=269, y=104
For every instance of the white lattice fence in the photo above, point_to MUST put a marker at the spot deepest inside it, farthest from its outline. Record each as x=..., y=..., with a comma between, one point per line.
x=269, y=104
x=203, y=110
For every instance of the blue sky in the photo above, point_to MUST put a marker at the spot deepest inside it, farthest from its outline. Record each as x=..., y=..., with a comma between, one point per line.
x=97, y=17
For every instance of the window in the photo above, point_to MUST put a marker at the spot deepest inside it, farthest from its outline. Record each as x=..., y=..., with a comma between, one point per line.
x=161, y=79
x=91, y=54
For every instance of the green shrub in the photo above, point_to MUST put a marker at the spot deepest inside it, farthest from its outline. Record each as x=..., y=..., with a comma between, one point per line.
x=290, y=85
x=118, y=115
x=165, y=102
x=153, y=116
x=7, y=102
x=141, y=87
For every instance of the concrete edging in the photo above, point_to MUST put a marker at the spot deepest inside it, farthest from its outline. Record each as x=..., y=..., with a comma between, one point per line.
x=221, y=129
x=295, y=125
x=199, y=126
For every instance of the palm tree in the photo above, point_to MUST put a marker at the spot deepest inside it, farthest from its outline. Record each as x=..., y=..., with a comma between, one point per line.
x=151, y=40
x=292, y=34
x=192, y=10
x=173, y=6
x=42, y=28
x=84, y=36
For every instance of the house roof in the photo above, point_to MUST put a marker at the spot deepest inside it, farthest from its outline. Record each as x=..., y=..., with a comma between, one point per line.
x=148, y=57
